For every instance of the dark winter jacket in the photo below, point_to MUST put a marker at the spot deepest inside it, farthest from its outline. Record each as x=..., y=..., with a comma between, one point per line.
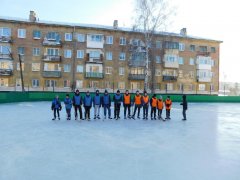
x=106, y=100
x=184, y=104
x=97, y=100
x=117, y=98
x=77, y=100
x=56, y=104
x=68, y=103
x=87, y=100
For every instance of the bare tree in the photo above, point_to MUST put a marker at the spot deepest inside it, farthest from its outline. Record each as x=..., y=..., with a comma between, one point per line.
x=151, y=16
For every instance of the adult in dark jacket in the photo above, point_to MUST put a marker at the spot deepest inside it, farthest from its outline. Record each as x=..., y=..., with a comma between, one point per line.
x=56, y=107
x=145, y=105
x=77, y=103
x=87, y=103
x=185, y=107
x=127, y=104
x=97, y=104
x=117, y=99
x=106, y=104
x=153, y=103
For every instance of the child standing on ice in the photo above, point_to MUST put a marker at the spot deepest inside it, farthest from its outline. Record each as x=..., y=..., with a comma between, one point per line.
x=160, y=106
x=68, y=106
x=87, y=102
x=185, y=106
x=56, y=107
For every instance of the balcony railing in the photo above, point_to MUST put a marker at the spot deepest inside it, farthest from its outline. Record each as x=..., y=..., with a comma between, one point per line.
x=136, y=76
x=96, y=60
x=47, y=42
x=7, y=39
x=137, y=63
x=169, y=78
x=203, y=53
x=52, y=74
x=6, y=56
x=52, y=58
x=6, y=72
x=93, y=75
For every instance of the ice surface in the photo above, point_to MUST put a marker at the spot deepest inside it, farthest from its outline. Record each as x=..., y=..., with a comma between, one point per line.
x=205, y=147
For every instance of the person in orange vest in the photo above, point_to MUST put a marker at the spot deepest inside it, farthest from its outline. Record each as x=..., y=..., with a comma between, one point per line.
x=153, y=103
x=160, y=106
x=145, y=104
x=138, y=104
x=127, y=104
x=168, y=105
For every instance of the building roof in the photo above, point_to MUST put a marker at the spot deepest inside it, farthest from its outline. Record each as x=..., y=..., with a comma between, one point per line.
x=103, y=27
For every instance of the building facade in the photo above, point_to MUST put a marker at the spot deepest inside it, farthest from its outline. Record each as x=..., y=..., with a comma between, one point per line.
x=62, y=57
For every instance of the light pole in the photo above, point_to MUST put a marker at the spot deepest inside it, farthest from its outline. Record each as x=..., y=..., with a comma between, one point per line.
x=21, y=72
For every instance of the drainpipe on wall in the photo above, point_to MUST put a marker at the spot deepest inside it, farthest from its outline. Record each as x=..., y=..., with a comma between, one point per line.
x=74, y=59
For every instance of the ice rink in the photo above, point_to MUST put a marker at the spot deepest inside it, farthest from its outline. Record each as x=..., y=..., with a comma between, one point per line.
x=205, y=147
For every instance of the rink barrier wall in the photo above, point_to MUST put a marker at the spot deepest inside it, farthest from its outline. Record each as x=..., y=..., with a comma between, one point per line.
x=10, y=97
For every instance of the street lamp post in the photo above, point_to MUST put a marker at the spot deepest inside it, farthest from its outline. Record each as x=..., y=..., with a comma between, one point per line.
x=21, y=72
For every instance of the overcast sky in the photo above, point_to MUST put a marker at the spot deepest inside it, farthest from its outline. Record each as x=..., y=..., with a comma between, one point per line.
x=212, y=19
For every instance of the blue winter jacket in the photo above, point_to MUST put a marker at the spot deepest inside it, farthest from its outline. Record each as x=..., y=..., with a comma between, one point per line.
x=56, y=104
x=117, y=98
x=68, y=103
x=106, y=100
x=77, y=100
x=87, y=101
x=97, y=100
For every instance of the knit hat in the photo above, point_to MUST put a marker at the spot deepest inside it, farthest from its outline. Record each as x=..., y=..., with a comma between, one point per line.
x=105, y=91
x=118, y=91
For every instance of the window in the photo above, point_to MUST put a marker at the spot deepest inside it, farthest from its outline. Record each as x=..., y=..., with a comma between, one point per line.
x=80, y=37
x=66, y=83
x=212, y=63
x=80, y=54
x=35, y=66
x=180, y=87
x=122, y=56
x=51, y=67
x=79, y=68
x=21, y=50
x=79, y=84
x=191, y=61
x=36, y=34
x=211, y=87
x=18, y=82
x=203, y=48
x=201, y=87
x=181, y=46
x=192, y=48
x=171, y=58
x=108, y=70
x=4, y=31
x=158, y=44
x=50, y=83
x=67, y=67
x=21, y=33
x=18, y=66
x=35, y=83
x=213, y=49
x=121, y=71
x=36, y=51
x=171, y=45
x=169, y=86
x=158, y=59
x=52, y=52
x=123, y=41
x=54, y=36
x=109, y=56
x=108, y=85
x=68, y=36
x=121, y=85
x=5, y=50
x=157, y=72
x=180, y=60
x=109, y=40
x=96, y=37
x=68, y=53
x=94, y=54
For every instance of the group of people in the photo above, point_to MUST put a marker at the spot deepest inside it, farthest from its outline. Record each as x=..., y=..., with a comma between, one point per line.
x=138, y=101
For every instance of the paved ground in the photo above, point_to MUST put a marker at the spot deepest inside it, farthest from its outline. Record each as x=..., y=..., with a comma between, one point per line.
x=205, y=147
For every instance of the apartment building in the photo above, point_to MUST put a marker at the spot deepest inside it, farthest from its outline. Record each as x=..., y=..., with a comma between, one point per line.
x=58, y=56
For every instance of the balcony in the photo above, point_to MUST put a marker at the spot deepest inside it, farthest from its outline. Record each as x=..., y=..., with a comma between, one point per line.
x=136, y=76
x=51, y=42
x=94, y=60
x=6, y=72
x=203, y=53
x=204, y=66
x=52, y=58
x=204, y=79
x=51, y=74
x=7, y=39
x=6, y=56
x=169, y=78
x=168, y=64
x=93, y=75
x=137, y=63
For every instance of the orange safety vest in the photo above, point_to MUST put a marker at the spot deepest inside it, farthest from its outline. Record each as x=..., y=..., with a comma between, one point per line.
x=160, y=104
x=168, y=104
x=127, y=99
x=137, y=99
x=145, y=99
x=154, y=102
